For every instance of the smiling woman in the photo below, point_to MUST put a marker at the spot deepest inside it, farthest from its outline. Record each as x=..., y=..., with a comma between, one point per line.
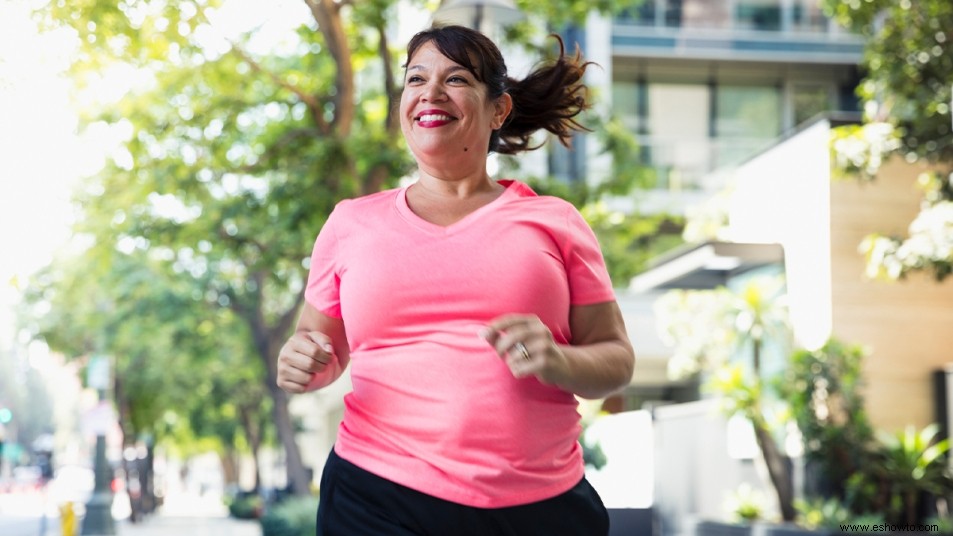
x=472, y=312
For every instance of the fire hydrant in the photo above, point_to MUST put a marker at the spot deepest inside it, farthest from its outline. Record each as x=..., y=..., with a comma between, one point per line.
x=67, y=519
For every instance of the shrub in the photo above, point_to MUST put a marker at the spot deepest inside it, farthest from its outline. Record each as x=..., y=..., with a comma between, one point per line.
x=246, y=506
x=294, y=516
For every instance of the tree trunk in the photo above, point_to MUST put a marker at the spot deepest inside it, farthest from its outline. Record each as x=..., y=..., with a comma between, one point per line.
x=230, y=467
x=773, y=460
x=268, y=341
x=777, y=470
x=297, y=473
x=253, y=436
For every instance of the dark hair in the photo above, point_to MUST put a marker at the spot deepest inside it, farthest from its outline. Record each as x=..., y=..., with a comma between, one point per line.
x=550, y=97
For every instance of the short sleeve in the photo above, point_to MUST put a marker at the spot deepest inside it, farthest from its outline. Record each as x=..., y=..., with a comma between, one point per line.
x=324, y=281
x=589, y=281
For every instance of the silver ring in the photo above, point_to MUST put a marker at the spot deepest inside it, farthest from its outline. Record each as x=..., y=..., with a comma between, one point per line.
x=521, y=348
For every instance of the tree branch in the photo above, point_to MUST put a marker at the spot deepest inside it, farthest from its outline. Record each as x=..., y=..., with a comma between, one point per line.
x=283, y=141
x=314, y=106
x=282, y=327
x=390, y=85
x=327, y=14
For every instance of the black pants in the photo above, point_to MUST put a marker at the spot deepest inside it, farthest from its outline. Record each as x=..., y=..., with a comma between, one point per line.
x=354, y=502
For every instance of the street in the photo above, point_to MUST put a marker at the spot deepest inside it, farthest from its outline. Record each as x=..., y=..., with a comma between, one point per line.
x=183, y=514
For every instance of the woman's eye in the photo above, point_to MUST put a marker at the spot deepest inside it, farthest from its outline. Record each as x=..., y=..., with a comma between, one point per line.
x=457, y=79
x=414, y=79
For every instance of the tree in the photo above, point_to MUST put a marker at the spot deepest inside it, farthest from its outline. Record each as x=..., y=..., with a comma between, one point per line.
x=710, y=327
x=234, y=154
x=168, y=351
x=908, y=93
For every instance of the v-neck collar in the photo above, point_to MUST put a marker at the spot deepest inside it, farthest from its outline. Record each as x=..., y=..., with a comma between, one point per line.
x=403, y=208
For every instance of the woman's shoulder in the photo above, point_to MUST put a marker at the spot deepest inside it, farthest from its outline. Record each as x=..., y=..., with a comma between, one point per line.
x=369, y=202
x=530, y=199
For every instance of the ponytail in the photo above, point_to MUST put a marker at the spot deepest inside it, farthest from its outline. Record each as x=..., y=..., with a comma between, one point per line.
x=548, y=98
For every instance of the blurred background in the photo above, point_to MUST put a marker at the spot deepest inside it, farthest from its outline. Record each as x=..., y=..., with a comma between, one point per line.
x=770, y=181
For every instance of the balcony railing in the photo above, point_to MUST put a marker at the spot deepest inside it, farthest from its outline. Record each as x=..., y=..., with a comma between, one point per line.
x=680, y=164
x=734, y=29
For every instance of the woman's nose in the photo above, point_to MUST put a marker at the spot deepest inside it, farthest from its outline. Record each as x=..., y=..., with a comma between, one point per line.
x=433, y=92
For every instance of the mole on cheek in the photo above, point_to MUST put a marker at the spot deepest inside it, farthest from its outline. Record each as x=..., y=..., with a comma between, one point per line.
x=465, y=149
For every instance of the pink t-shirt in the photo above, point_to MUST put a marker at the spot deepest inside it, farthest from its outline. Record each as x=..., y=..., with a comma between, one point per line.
x=433, y=407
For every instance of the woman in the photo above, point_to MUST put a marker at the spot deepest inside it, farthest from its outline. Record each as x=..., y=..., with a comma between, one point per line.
x=473, y=312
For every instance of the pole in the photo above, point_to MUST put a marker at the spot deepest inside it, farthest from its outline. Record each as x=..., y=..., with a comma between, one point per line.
x=98, y=520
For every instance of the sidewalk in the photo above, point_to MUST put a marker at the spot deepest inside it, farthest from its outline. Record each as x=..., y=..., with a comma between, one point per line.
x=182, y=514
x=190, y=515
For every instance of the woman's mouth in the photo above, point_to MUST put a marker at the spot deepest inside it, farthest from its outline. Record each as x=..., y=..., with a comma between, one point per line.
x=431, y=119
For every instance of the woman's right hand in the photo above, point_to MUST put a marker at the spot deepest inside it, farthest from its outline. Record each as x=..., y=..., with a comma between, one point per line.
x=306, y=354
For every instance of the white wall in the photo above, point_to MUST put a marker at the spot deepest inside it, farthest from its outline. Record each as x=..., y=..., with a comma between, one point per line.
x=783, y=196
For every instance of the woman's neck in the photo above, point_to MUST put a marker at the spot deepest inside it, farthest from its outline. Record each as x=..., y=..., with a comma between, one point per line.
x=460, y=188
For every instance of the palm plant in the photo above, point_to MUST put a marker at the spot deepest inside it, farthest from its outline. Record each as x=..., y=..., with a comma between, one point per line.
x=741, y=322
x=913, y=466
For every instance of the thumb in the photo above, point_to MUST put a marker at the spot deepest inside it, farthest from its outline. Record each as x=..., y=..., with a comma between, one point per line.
x=322, y=340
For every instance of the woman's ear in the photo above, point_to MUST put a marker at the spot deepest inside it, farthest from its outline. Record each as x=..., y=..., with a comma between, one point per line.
x=504, y=105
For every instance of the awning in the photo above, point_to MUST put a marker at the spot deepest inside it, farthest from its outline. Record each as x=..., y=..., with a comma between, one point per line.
x=706, y=265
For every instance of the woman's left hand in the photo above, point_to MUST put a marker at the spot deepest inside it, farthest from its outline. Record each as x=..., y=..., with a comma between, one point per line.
x=527, y=347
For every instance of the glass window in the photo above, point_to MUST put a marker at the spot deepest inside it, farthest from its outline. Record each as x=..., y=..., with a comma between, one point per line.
x=810, y=100
x=747, y=118
x=678, y=133
x=673, y=13
x=758, y=14
x=748, y=112
x=808, y=16
x=699, y=13
x=625, y=104
x=643, y=14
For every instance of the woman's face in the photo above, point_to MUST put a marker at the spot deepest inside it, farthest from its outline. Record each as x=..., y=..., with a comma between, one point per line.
x=444, y=111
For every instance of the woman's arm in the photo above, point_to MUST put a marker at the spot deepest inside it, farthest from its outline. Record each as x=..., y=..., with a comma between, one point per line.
x=599, y=362
x=315, y=355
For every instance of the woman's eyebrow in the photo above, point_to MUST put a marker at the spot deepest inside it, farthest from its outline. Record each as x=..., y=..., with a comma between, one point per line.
x=453, y=69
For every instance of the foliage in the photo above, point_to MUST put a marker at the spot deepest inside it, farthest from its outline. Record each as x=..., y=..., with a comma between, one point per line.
x=592, y=455
x=630, y=241
x=246, y=506
x=706, y=328
x=860, y=150
x=913, y=463
x=929, y=246
x=823, y=389
x=943, y=523
x=890, y=474
x=746, y=504
x=818, y=513
x=908, y=91
x=887, y=478
x=734, y=324
x=294, y=516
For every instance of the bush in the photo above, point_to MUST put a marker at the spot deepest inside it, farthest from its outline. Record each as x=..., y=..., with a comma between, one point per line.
x=294, y=516
x=246, y=506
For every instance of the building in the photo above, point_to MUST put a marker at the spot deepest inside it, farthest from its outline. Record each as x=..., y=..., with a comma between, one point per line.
x=705, y=84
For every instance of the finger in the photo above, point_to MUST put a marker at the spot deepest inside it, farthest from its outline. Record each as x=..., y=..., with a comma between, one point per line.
x=294, y=380
x=519, y=365
x=322, y=341
x=506, y=342
x=505, y=322
x=315, y=351
x=302, y=353
x=505, y=330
